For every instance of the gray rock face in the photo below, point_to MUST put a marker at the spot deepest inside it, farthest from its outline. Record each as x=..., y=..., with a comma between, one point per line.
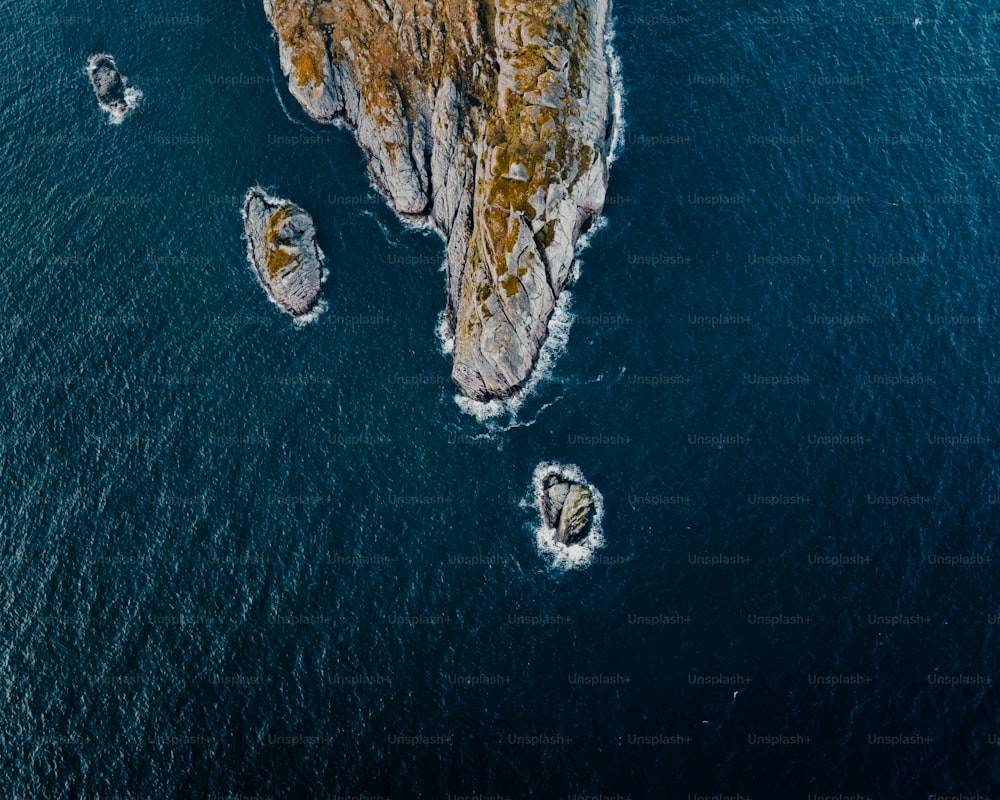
x=490, y=121
x=568, y=507
x=282, y=249
x=110, y=87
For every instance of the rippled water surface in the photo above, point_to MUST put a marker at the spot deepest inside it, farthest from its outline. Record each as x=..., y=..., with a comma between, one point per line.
x=244, y=558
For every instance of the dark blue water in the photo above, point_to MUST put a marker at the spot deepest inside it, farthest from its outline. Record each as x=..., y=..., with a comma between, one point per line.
x=242, y=558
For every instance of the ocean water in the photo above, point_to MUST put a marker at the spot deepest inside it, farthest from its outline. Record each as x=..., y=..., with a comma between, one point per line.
x=242, y=558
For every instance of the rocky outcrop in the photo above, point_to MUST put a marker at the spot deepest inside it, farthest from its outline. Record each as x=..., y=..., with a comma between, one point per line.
x=282, y=249
x=567, y=506
x=112, y=90
x=487, y=119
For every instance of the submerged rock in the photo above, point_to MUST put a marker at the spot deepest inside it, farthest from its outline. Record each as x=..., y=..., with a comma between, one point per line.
x=282, y=249
x=567, y=506
x=111, y=88
x=489, y=120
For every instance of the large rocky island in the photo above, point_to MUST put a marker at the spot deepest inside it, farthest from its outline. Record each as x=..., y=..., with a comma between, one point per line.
x=489, y=120
x=282, y=249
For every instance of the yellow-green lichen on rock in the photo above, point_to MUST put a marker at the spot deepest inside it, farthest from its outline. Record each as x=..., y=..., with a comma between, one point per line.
x=277, y=256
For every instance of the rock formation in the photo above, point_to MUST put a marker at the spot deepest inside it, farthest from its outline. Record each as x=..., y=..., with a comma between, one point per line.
x=282, y=249
x=487, y=119
x=111, y=88
x=567, y=507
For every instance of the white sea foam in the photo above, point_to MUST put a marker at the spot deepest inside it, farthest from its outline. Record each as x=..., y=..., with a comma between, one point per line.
x=132, y=98
x=444, y=334
x=324, y=274
x=561, y=556
x=598, y=224
x=304, y=319
x=483, y=411
x=617, y=94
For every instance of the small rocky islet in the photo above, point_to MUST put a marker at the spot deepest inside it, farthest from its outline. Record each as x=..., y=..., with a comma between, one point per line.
x=282, y=249
x=567, y=505
x=110, y=87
